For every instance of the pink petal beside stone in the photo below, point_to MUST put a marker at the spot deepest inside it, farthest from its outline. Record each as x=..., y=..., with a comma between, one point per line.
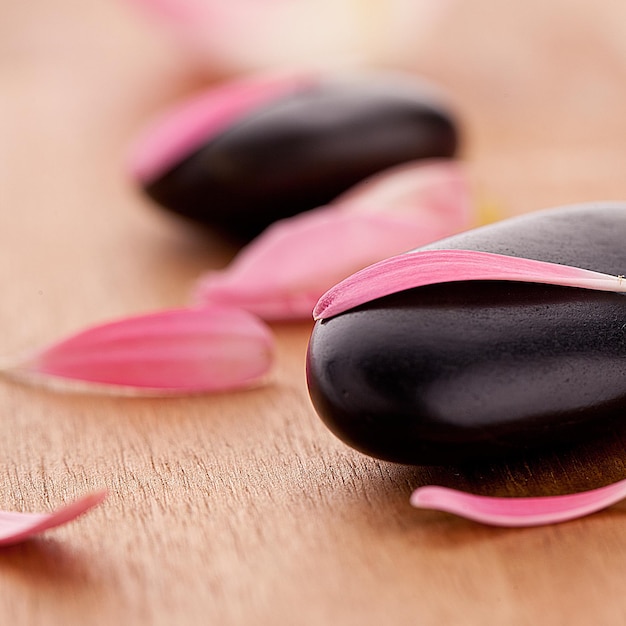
x=518, y=511
x=172, y=351
x=438, y=185
x=427, y=267
x=282, y=274
x=17, y=527
x=184, y=129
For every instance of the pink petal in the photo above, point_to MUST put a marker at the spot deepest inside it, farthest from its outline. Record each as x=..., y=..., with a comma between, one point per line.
x=181, y=131
x=518, y=511
x=179, y=350
x=244, y=34
x=438, y=184
x=282, y=274
x=17, y=527
x=426, y=267
x=172, y=11
x=208, y=16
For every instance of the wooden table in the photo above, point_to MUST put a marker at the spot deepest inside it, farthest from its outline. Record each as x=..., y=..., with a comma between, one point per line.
x=241, y=508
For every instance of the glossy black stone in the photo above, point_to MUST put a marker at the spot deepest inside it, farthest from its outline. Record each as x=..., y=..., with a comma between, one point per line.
x=473, y=371
x=303, y=150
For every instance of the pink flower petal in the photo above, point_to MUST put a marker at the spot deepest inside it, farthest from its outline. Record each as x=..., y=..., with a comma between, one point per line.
x=426, y=267
x=173, y=12
x=17, y=527
x=416, y=189
x=282, y=274
x=181, y=131
x=244, y=34
x=518, y=511
x=179, y=350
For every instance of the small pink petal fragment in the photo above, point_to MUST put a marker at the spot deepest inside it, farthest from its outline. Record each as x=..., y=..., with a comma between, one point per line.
x=283, y=273
x=518, y=512
x=18, y=527
x=175, y=351
x=428, y=267
x=178, y=133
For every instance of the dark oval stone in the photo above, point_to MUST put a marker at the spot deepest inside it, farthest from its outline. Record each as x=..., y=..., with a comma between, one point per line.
x=303, y=150
x=478, y=370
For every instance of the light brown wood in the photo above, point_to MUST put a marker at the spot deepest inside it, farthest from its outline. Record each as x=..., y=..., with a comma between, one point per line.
x=242, y=508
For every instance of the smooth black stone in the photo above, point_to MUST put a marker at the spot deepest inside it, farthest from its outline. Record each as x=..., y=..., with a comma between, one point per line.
x=474, y=371
x=302, y=151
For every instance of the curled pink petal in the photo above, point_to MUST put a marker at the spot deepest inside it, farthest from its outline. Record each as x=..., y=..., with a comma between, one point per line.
x=428, y=267
x=17, y=527
x=174, y=351
x=506, y=511
x=283, y=273
x=181, y=131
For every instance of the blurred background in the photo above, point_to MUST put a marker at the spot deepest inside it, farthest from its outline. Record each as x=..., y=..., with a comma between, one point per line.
x=538, y=86
x=539, y=89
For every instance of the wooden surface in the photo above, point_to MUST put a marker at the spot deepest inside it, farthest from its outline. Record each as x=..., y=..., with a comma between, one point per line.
x=242, y=508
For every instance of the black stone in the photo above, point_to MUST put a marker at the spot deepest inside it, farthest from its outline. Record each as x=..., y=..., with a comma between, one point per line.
x=302, y=151
x=475, y=371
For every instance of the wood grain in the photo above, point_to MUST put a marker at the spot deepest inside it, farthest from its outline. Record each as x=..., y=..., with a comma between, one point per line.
x=242, y=508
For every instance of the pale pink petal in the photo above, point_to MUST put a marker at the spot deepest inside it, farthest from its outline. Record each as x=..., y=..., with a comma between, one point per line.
x=283, y=273
x=17, y=527
x=518, y=511
x=209, y=16
x=440, y=185
x=250, y=34
x=181, y=131
x=427, y=267
x=171, y=11
x=172, y=351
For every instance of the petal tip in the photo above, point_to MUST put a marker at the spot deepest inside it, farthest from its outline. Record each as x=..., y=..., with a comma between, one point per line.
x=18, y=527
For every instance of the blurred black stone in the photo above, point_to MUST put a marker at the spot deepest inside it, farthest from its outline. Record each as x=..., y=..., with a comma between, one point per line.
x=302, y=151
